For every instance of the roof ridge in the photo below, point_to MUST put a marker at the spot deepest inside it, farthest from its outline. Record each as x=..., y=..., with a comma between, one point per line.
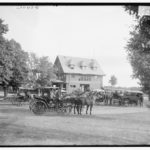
x=77, y=57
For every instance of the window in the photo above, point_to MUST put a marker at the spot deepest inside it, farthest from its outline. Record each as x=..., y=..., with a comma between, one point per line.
x=73, y=86
x=85, y=78
x=93, y=67
x=83, y=67
x=71, y=64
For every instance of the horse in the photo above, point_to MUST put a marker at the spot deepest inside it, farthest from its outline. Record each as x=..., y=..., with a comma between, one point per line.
x=80, y=99
x=72, y=100
x=108, y=98
x=86, y=99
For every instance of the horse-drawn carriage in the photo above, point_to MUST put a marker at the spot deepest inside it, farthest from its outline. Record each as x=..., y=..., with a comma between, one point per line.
x=62, y=104
x=133, y=98
x=23, y=95
x=128, y=98
x=120, y=98
x=47, y=102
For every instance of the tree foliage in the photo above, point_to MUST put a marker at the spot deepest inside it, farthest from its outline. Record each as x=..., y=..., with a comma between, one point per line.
x=132, y=9
x=113, y=80
x=138, y=56
x=19, y=67
x=45, y=68
x=33, y=62
x=41, y=70
x=19, y=64
x=139, y=59
x=12, y=61
x=5, y=57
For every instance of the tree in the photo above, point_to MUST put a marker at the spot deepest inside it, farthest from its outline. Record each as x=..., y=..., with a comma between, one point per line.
x=132, y=10
x=33, y=62
x=12, y=61
x=5, y=58
x=140, y=61
x=19, y=65
x=137, y=54
x=46, y=70
x=41, y=70
x=113, y=80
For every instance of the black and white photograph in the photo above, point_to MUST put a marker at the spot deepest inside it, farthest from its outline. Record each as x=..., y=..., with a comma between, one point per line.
x=75, y=75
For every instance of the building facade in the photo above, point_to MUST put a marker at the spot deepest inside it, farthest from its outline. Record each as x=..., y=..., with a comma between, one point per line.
x=79, y=73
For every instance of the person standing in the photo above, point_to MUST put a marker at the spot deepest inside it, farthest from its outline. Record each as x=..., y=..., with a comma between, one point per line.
x=58, y=97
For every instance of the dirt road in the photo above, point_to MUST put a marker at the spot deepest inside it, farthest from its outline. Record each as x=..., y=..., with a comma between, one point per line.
x=107, y=126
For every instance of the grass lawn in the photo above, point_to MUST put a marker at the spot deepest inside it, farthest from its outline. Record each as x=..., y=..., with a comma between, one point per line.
x=107, y=126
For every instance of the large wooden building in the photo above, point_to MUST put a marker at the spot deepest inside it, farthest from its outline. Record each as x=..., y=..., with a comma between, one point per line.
x=79, y=73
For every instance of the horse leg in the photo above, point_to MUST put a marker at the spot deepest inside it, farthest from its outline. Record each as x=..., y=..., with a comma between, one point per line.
x=74, y=109
x=87, y=107
x=91, y=109
x=106, y=101
x=110, y=103
x=80, y=110
x=141, y=103
x=77, y=107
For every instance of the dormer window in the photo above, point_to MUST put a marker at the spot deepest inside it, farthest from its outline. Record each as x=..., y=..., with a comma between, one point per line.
x=83, y=65
x=93, y=65
x=71, y=65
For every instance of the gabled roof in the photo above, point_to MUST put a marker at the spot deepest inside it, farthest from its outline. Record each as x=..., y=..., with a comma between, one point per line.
x=76, y=68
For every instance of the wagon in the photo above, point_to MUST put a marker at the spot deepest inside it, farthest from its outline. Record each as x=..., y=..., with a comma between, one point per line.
x=132, y=98
x=23, y=96
x=43, y=103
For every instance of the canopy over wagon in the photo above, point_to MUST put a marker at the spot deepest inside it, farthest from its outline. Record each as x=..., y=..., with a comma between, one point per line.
x=137, y=92
x=99, y=90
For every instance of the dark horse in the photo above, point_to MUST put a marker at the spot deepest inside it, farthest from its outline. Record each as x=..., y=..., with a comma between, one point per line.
x=85, y=99
x=73, y=100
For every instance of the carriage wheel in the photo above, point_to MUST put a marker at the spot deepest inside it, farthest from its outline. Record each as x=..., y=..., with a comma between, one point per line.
x=38, y=108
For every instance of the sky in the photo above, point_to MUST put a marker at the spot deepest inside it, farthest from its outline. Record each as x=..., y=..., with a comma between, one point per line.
x=95, y=32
